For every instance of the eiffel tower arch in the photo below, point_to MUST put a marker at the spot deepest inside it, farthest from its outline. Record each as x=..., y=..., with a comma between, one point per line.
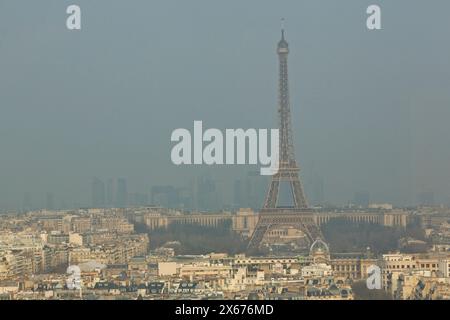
x=274, y=215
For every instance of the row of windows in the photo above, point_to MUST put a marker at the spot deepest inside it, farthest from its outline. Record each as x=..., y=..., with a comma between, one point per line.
x=428, y=265
x=423, y=265
x=345, y=268
x=401, y=267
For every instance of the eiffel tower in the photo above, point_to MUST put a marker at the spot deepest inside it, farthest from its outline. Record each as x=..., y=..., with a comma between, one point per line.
x=296, y=215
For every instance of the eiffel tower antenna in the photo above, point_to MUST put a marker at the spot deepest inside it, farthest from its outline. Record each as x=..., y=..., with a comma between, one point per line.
x=272, y=214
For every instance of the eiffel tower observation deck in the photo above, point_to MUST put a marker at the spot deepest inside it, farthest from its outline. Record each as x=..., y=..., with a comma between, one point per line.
x=275, y=214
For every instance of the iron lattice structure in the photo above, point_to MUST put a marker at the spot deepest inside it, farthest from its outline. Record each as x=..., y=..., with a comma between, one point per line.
x=272, y=215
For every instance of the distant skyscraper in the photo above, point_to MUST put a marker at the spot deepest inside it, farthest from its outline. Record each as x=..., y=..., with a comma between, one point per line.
x=248, y=192
x=207, y=197
x=238, y=197
x=50, y=201
x=165, y=196
x=98, y=193
x=257, y=185
x=110, y=193
x=362, y=199
x=122, y=193
x=186, y=198
x=317, y=187
x=138, y=199
x=27, y=205
x=426, y=198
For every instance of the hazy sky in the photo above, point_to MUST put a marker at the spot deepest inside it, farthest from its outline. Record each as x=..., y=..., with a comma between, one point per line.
x=371, y=109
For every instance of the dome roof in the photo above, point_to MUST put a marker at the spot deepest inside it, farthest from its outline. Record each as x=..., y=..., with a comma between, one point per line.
x=319, y=246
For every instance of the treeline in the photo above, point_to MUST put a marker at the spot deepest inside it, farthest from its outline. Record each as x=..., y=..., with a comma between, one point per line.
x=346, y=236
x=196, y=239
x=341, y=234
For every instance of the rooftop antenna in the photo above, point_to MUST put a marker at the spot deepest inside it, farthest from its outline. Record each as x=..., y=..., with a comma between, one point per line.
x=282, y=28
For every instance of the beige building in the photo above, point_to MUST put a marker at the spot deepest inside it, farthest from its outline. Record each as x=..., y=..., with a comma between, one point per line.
x=167, y=269
x=114, y=224
x=120, y=251
x=76, y=239
x=351, y=268
x=444, y=267
x=389, y=218
x=16, y=263
x=205, y=270
x=397, y=265
x=244, y=222
x=81, y=224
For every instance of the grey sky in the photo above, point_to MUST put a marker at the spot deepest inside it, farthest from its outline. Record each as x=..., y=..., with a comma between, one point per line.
x=371, y=110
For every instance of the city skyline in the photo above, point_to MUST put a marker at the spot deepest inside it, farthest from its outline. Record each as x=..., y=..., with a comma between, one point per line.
x=252, y=197
x=375, y=123
x=317, y=166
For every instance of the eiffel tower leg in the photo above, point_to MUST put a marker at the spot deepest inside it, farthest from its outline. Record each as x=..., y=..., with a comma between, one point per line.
x=256, y=239
x=272, y=194
x=298, y=194
x=274, y=218
x=312, y=230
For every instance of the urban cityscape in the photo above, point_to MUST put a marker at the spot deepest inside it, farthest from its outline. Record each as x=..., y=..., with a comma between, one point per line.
x=117, y=260
x=110, y=253
x=185, y=243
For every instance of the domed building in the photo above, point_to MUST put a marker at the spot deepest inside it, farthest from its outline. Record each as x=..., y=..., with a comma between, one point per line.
x=319, y=252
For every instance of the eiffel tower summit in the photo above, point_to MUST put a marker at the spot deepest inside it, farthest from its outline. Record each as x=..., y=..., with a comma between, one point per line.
x=296, y=214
